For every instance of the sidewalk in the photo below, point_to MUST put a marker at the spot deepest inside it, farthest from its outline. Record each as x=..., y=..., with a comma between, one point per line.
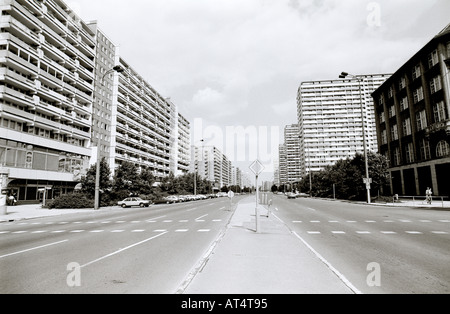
x=272, y=261
x=21, y=212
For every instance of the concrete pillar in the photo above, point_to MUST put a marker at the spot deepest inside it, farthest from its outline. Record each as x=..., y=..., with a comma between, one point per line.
x=4, y=173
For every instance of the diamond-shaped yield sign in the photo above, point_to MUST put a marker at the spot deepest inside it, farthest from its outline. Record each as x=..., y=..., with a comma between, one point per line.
x=256, y=167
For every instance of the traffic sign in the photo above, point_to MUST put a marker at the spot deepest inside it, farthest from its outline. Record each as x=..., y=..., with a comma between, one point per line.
x=256, y=167
x=230, y=194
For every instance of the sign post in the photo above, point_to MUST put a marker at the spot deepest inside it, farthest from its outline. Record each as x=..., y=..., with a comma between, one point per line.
x=257, y=167
x=230, y=196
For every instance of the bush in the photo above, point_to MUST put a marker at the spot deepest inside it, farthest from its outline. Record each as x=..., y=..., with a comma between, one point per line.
x=72, y=200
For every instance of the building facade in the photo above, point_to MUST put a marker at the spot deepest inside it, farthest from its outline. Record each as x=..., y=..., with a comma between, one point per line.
x=61, y=105
x=292, y=151
x=47, y=62
x=413, y=123
x=330, y=120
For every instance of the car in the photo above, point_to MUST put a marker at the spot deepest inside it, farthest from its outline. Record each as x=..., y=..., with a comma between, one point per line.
x=133, y=201
x=291, y=195
x=171, y=199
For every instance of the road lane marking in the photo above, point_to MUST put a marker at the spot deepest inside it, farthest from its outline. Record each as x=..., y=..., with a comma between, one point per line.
x=334, y=270
x=363, y=232
x=160, y=230
x=40, y=231
x=117, y=231
x=413, y=232
x=338, y=232
x=388, y=232
x=203, y=230
x=167, y=220
x=351, y=221
x=313, y=232
x=123, y=249
x=138, y=230
x=34, y=248
x=333, y=221
x=370, y=221
x=183, y=220
x=76, y=231
x=182, y=230
x=405, y=220
x=315, y=221
x=444, y=220
x=19, y=232
x=96, y=231
x=439, y=232
x=58, y=231
x=198, y=218
x=297, y=221
x=217, y=220
x=120, y=221
x=425, y=220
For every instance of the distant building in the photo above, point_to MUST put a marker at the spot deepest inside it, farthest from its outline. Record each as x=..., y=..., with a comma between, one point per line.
x=413, y=123
x=329, y=120
x=292, y=151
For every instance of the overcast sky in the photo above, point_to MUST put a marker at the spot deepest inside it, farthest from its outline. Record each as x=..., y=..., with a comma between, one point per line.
x=239, y=63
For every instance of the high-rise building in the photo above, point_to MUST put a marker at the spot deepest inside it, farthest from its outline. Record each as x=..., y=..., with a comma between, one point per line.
x=282, y=164
x=62, y=104
x=292, y=150
x=47, y=64
x=330, y=120
x=413, y=123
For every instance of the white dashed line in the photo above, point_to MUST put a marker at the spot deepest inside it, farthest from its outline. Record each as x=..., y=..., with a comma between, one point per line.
x=203, y=230
x=439, y=232
x=96, y=231
x=413, y=232
x=338, y=232
x=117, y=231
x=388, y=232
x=363, y=232
x=182, y=230
x=313, y=232
x=77, y=231
x=138, y=230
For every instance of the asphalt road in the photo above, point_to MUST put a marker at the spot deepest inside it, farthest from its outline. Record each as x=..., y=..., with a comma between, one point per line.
x=133, y=250
x=377, y=249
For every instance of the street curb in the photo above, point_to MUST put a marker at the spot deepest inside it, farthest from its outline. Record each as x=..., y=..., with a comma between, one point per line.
x=205, y=258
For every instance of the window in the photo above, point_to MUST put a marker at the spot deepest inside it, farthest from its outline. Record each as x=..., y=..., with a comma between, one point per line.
x=391, y=111
x=416, y=72
x=409, y=151
x=406, y=124
x=397, y=156
x=382, y=117
x=391, y=92
x=402, y=83
x=421, y=119
x=418, y=95
x=433, y=59
x=439, y=112
x=442, y=149
x=383, y=137
x=425, y=152
x=394, y=132
x=435, y=84
x=404, y=103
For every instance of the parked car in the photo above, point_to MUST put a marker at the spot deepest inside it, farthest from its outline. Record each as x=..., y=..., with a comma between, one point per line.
x=133, y=201
x=171, y=199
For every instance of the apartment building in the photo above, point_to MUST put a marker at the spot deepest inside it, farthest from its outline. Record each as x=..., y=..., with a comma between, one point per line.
x=62, y=105
x=210, y=163
x=46, y=92
x=292, y=151
x=282, y=164
x=330, y=120
x=413, y=123
x=148, y=129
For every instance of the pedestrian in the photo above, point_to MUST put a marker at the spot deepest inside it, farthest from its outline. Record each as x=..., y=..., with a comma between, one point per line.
x=12, y=200
x=428, y=194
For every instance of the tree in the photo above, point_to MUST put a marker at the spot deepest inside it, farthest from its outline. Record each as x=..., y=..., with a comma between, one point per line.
x=88, y=181
x=347, y=177
x=126, y=179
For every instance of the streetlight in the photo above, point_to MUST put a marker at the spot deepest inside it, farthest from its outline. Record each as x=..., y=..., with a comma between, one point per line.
x=117, y=69
x=360, y=78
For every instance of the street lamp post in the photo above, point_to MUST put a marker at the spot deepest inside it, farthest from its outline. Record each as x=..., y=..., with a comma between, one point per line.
x=360, y=78
x=117, y=69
